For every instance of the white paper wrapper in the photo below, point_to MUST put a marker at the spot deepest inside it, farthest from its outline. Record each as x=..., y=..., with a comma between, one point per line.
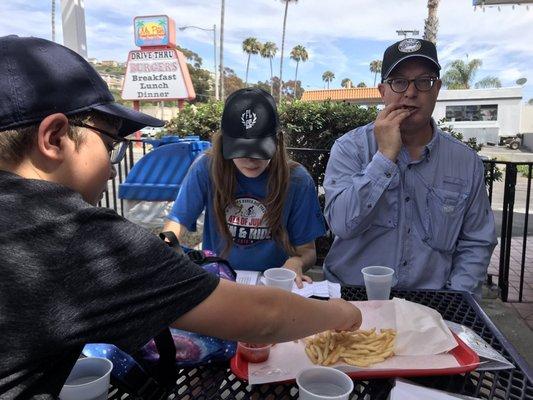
x=425, y=333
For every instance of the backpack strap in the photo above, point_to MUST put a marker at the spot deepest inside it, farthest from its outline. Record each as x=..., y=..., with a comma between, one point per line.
x=166, y=372
x=171, y=240
x=198, y=257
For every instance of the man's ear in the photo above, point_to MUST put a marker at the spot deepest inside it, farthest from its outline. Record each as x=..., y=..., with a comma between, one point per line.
x=381, y=88
x=52, y=136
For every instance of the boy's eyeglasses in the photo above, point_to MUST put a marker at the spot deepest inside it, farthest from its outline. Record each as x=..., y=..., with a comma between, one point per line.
x=423, y=84
x=118, y=147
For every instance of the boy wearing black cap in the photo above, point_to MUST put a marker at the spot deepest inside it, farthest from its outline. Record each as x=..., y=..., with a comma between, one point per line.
x=402, y=193
x=73, y=273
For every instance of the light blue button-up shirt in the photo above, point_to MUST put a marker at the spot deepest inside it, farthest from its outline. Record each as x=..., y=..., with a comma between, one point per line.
x=430, y=220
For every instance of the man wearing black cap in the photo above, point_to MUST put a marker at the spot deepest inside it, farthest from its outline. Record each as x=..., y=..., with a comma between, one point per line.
x=73, y=273
x=402, y=193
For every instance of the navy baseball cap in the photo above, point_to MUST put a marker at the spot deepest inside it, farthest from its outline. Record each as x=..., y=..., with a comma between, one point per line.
x=408, y=48
x=249, y=125
x=39, y=78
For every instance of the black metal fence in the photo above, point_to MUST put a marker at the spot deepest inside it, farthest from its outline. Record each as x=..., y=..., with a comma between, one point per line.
x=509, y=189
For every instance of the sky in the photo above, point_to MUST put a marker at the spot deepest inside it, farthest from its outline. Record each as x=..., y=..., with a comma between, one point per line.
x=342, y=36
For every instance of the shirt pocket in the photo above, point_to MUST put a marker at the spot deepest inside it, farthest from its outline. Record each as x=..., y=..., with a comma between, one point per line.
x=445, y=214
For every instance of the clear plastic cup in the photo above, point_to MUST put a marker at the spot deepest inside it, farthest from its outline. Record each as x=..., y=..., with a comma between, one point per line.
x=282, y=278
x=88, y=380
x=378, y=282
x=324, y=383
x=254, y=353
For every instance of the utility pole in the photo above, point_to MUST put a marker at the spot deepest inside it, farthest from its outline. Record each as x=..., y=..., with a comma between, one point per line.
x=221, y=63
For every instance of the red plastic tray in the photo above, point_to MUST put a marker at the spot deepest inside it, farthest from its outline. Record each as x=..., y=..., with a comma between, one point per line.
x=466, y=357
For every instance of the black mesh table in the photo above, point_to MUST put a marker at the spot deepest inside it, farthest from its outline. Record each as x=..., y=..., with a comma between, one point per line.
x=217, y=381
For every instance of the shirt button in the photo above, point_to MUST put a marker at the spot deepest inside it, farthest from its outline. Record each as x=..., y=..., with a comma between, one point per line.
x=409, y=230
x=407, y=199
x=409, y=166
x=388, y=174
x=369, y=205
x=404, y=263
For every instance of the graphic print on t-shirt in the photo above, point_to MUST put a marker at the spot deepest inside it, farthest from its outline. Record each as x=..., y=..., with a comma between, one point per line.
x=245, y=221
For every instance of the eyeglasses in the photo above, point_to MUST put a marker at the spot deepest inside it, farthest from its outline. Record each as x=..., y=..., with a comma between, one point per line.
x=423, y=84
x=117, y=150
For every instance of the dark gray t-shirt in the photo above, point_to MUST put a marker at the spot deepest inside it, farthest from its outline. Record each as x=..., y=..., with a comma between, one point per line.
x=73, y=274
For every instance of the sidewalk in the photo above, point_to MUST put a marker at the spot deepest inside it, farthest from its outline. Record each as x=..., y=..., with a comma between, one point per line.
x=524, y=309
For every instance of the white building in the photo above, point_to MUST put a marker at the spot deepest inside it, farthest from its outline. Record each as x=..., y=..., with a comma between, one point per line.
x=485, y=114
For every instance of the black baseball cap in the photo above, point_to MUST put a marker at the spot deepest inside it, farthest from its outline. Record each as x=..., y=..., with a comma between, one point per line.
x=249, y=125
x=408, y=48
x=39, y=78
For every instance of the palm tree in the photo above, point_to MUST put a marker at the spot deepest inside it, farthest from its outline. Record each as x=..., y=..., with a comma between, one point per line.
x=298, y=53
x=459, y=74
x=53, y=21
x=375, y=68
x=269, y=50
x=346, y=83
x=431, y=24
x=283, y=45
x=488, y=82
x=250, y=46
x=361, y=84
x=327, y=77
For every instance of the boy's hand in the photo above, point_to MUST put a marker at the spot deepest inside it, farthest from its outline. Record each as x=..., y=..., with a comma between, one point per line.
x=350, y=317
x=387, y=130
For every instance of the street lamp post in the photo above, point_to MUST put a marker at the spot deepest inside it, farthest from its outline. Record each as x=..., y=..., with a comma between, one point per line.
x=214, y=29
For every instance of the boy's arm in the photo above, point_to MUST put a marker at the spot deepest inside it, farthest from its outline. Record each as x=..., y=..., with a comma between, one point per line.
x=259, y=314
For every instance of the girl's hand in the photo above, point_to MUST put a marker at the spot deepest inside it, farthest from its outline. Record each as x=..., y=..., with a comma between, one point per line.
x=296, y=264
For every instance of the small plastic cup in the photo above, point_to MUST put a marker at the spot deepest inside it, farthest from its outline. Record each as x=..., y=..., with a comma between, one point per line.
x=324, y=383
x=254, y=353
x=88, y=380
x=378, y=282
x=282, y=278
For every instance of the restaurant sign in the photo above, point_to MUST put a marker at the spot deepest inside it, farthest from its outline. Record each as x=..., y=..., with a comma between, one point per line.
x=154, y=30
x=156, y=75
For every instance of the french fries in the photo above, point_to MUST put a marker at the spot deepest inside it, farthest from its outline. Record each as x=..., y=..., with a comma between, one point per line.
x=359, y=348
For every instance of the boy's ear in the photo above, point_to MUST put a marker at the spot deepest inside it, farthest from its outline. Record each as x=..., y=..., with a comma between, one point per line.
x=52, y=136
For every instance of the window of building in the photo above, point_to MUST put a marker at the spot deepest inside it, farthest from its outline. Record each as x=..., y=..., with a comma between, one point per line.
x=486, y=112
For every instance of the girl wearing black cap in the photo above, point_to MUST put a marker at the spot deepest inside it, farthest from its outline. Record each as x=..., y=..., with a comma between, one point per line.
x=261, y=209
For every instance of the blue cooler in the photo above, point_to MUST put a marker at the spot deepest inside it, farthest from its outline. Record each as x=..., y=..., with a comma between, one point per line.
x=154, y=181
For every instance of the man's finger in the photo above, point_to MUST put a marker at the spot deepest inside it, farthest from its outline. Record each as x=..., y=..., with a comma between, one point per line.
x=393, y=114
x=307, y=279
x=388, y=109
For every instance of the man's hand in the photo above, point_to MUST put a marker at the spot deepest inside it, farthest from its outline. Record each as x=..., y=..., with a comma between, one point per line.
x=387, y=130
x=350, y=317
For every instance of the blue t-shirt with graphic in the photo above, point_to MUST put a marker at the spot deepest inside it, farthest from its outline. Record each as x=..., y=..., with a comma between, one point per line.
x=253, y=247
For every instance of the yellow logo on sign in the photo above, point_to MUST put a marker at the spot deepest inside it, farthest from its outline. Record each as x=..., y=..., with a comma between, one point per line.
x=152, y=30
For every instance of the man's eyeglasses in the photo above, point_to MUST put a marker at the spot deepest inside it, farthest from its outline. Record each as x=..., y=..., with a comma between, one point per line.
x=119, y=145
x=423, y=84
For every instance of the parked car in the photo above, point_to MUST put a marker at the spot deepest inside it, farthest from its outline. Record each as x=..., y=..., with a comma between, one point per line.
x=150, y=132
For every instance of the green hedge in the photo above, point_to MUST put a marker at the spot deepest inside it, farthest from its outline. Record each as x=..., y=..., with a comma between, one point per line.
x=310, y=125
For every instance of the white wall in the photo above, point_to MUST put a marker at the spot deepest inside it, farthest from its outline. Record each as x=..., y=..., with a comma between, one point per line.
x=509, y=108
x=526, y=125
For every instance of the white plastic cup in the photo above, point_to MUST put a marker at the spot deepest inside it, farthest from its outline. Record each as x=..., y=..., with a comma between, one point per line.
x=378, y=282
x=324, y=383
x=282, y=278
x=88, y=380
